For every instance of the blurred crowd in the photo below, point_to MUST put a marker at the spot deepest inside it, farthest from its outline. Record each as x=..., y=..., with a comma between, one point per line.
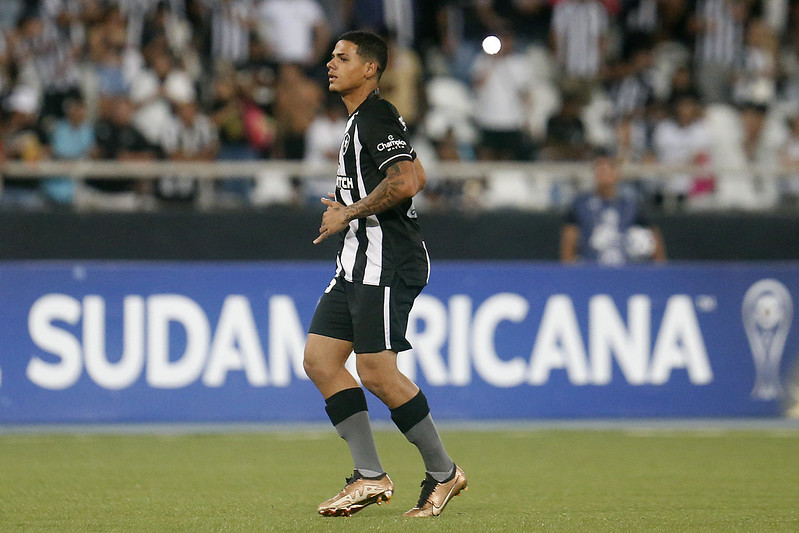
x=703, y=83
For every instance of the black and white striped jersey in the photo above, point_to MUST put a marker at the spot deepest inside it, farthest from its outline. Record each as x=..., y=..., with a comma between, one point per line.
x=375, y=249
x=722, y=41
x=578, y=28
x=230, y=36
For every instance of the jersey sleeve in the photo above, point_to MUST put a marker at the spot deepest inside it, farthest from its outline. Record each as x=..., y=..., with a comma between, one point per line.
x=385, y=136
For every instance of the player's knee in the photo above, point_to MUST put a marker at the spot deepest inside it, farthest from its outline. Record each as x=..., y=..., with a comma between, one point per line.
x=373, y=378
x=373, y=383
x=314, y=367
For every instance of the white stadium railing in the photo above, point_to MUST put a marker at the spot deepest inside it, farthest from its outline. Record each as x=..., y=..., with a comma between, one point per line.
x=514, y=184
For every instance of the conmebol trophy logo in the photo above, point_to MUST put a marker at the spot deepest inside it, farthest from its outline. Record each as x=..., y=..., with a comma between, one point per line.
x=767, y=314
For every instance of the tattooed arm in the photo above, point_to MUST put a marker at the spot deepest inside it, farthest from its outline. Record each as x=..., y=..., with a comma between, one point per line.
x=402, y=181
x=399, y=184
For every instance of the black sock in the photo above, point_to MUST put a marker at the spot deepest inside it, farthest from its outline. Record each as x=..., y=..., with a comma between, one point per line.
x=414, y=421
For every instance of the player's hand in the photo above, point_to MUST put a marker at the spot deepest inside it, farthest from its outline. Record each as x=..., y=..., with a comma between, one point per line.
x=334, y=219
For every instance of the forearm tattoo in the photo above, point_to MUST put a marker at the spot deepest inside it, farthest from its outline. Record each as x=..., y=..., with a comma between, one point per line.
x=386, y=195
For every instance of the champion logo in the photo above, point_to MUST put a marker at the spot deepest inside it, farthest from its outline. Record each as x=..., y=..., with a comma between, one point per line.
x=391, y=144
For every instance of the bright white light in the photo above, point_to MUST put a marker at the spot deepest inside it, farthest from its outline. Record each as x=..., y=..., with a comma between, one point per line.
x=492, y=44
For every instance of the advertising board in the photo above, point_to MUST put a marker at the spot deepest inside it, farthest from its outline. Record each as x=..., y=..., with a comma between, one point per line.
x=86, y=342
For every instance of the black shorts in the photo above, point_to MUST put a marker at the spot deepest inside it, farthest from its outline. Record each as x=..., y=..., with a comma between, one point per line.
x=373, y=318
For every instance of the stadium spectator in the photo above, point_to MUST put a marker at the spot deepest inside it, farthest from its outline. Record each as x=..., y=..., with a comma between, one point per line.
x=236, y=116
x=41, y=52
x=109, y=31
x=88, y=48
x=607, y=225
x=760, y=145
x=108, y=51
x=501, y=84
x=72, y=139
x=297, y=100
x=118, y=139
x=402, y=82
x=396, y=17
x=68, y=16
x=579, y=38
x=633, y=99
x=683, y=139
x=233, y=23
x=682, y=82
x=444, y=193
x=166, y=29
x=23, y=140
x=674, y=23
x=566, y=138
x=5, y=64
x=455, y=39
x=719, y=28
x=190, y=136
x=323, y=137
x=11, y=12
x=755, y=75
x=322, y=145
x=788, y=64
x=137, y=13
x=639, y=21
x=228, y=108
x=632, y=140
x=150, y=93
x=789, y=155
x=529, y=20
x=634, y=91
x=295, y=31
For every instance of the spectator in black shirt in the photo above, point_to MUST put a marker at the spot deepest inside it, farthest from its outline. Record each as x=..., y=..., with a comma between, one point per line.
x=118, y=139
x=566, y=136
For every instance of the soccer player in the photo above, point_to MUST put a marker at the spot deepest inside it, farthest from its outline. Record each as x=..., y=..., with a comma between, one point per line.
x=382, y=265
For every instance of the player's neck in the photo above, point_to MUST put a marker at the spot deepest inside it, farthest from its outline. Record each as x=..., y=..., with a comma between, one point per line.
x=357, y=96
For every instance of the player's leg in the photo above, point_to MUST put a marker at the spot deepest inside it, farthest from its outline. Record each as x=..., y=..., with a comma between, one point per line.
x=326, y=351
x=411, y=413
x=409, y=409
x=345, y=402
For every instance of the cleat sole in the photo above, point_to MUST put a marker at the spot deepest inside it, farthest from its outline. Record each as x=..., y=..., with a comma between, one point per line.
x=349, y=511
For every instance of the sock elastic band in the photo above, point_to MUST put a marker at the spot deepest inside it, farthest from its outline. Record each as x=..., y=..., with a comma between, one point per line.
x=344, y=404
x=410, y=413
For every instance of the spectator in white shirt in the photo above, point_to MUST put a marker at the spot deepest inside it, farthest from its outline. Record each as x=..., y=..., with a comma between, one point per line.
x=295, y=31
x=501, y=83
x=322, y=145
x=683, y=139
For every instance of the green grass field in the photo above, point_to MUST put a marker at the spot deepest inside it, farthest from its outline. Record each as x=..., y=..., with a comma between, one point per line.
x=520, y=480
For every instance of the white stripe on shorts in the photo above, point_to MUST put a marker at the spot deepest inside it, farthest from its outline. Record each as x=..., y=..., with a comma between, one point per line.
x=387, y=316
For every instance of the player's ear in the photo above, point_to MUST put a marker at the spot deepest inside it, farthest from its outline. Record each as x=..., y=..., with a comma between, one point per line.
x=371, y=69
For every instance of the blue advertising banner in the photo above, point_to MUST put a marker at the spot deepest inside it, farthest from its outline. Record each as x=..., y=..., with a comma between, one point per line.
x=205, y=342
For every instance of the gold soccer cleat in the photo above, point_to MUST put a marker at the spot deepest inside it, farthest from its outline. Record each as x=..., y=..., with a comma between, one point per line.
x=435, y=495
x=357, y=494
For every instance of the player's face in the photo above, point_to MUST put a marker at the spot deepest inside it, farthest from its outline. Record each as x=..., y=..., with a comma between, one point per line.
x=347, y=70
